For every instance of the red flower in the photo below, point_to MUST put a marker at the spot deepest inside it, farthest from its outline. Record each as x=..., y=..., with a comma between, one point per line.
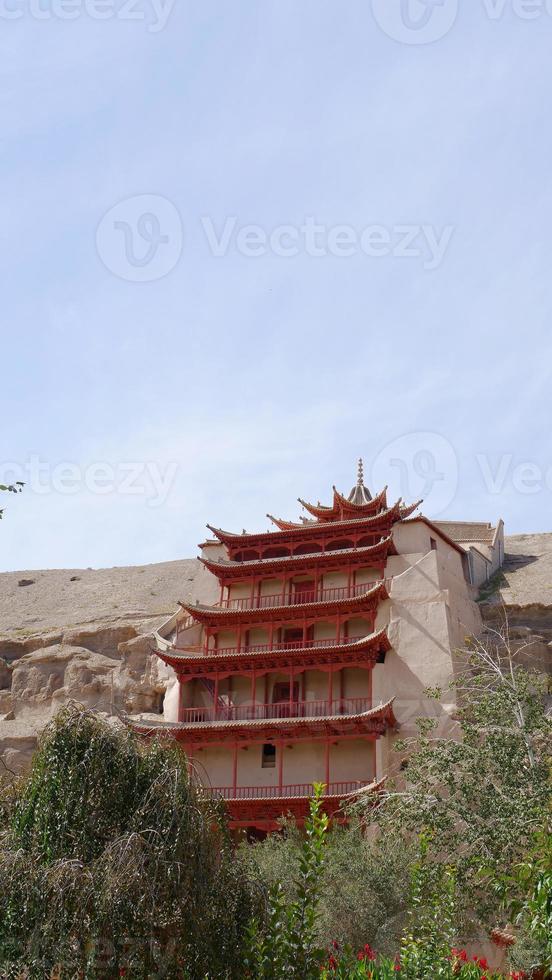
x=369, y=952
x=482, y=963
x=332, y=963
x=335, y=944
x=460, y=954
x=360, y=955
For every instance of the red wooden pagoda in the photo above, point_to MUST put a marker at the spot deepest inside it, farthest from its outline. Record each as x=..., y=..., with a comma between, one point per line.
x=275, y=680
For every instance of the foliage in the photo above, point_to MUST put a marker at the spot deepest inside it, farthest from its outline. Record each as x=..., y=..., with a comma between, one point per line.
x=110, y=860
x=527, y=897
x=492, y=586
x=286, y=946
x=363, y=885
x=10, y=488
x=426, y=949
x=482, y=796
x=285, y=949
x=365, y=965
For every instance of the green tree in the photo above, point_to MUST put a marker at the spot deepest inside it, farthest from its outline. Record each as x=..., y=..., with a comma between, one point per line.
x=363, y=885
x=481, y=796
x=111, y=860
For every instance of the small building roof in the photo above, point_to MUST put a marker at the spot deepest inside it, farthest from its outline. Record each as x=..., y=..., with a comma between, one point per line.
x=466, y=531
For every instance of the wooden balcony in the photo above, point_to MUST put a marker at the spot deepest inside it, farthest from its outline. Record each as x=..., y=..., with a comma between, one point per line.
x=278, y=647
x=298, y=598
x=271, y=712
x=261, y=807
x=298, y=790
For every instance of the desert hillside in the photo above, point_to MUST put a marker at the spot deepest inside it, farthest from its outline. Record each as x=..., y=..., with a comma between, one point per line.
x=83, y=634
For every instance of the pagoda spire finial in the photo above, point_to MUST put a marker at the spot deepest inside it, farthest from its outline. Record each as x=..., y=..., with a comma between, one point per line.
x=360, y=474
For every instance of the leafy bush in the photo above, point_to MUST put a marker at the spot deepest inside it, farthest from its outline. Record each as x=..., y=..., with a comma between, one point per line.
x=363, y=881
x=110, y=860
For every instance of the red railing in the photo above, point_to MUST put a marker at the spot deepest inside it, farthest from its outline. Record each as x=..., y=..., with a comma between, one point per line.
x=287, y=645
x=298, y=598
x=277, y=792
x=283, y=709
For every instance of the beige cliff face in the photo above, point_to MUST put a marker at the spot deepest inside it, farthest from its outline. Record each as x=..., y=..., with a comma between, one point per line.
x=85, y=635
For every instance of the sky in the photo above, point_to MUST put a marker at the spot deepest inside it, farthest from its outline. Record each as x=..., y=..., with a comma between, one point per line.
x=244, y=244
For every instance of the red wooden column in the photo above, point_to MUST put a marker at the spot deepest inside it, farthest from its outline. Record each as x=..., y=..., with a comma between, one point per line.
x=235, y=769
x=253, y=692
x=181, y=699
x=280, y=752
x=327, y=763
x=370, y=695
x=330, y=690
x=291, y=680
x=216, y=694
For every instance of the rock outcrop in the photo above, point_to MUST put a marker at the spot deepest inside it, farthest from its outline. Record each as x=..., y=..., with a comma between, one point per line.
x=83, y=635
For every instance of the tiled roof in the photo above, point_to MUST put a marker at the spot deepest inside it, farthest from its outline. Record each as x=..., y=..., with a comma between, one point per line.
x=381, y=711
x=225, y=565
x=465, y=531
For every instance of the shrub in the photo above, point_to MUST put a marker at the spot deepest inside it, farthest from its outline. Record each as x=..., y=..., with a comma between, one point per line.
x=110, y=860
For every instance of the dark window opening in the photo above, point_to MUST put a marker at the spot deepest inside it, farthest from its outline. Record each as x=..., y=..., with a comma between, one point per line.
x=160, y=703
x=433, y=544
x=268, y=760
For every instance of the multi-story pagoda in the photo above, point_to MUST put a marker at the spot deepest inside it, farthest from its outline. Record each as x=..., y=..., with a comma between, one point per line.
x=275, y=679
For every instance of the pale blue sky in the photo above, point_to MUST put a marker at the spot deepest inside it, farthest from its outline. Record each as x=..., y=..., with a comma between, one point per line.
x=247, y=381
